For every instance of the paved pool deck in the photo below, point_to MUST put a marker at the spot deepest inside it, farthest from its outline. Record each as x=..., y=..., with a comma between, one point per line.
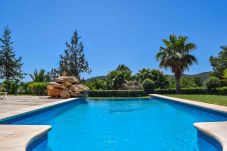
x=18, y=137
x=12, y=103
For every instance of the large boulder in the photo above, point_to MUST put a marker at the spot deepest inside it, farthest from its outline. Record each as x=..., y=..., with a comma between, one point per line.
x=53, y=91
x=82, y=88
x=66, y=87
x=75, y=94
x=69, y=79
x=57, y=85
x=65, y=94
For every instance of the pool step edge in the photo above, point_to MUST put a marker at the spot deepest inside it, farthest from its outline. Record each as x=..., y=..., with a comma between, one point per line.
x=216, y=130
x=18, y=137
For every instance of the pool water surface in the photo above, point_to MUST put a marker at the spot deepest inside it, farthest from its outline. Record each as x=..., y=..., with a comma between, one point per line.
x=121, y=125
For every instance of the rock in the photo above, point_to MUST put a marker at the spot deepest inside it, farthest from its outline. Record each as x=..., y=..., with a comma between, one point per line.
x=75, y=94
x=66, y=87
x=53, y=91
x=82, y=87
x=74, y=88
x=70, y=79
x=57, y=85
x=65, y=94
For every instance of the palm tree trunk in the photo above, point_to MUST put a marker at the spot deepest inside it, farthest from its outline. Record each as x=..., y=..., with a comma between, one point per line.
x=178, y=89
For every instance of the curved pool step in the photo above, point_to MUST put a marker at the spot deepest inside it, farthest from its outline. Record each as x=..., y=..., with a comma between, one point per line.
x=19, y=137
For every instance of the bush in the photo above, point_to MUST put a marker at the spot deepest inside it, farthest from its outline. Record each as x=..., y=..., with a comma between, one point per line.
x=132, y=85
x=96, y=84
x=198, y=90
x=116, y=93
x=148, y=86
x=222, y=91
x=38, y=88
x=212, y=84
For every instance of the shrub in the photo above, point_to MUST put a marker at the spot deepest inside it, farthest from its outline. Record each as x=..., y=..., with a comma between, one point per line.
x=212, y=84
x=132, y=85
x=198, y=90
x=116, y=93
x=148, y=86
x=222, y=90
x=38, y=88
x=2, y=89
x=96, y=84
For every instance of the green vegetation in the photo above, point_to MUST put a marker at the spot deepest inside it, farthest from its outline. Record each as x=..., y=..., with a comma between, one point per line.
x=38, y=88
x=10, y=66
x=212, y=99
x=39, y=76
x=176, y=56
x=120, y=82
x=73, y=61
x=148, y=86
x=219, y=63
x=212, y=84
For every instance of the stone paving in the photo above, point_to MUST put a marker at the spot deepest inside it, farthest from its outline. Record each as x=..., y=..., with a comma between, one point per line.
x=12, y=103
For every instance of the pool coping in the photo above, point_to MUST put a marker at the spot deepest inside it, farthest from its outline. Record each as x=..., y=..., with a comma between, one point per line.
x=18, y=137
x=216, y=130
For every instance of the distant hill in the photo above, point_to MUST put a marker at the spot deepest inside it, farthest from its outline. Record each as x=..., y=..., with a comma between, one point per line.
x=95, y=78
x=203, y=75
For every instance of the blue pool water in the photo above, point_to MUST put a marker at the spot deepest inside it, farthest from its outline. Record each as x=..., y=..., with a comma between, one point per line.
x=121, y=125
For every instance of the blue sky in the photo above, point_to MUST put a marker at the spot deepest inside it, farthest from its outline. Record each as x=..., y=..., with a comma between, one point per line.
x=113, y=31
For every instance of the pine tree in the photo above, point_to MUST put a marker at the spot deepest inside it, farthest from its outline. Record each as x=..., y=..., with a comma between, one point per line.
x=10, y=66
x=52, y=75
x=73, y=61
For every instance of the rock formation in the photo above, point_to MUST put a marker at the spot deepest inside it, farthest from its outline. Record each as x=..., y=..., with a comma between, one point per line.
x=66, y=87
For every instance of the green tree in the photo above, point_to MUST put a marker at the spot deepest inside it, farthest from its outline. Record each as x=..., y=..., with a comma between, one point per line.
x=187, y=82
x=198, y=81
x=219, y=63
x=176, y=56
x=118, y=77
x=144, y=74
x=73, y=61
x=172, y=82
x=39, y=76
x=52, y=75
x=10, y=65
x=148, y=85
x=96, y=84
x=160, y=79
x=212, y=84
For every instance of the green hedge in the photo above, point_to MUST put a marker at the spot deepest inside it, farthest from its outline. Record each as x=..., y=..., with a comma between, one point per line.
x=222, y=91
x=219, y=91
x=38, y=88
x=139, y=93
x=183, y=91
x=117, y=93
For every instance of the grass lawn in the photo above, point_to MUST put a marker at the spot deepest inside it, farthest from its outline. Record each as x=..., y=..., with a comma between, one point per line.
x=213, y=99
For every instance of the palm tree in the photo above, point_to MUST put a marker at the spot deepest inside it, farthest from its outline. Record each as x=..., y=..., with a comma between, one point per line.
x=38, y=76
x=176, y=56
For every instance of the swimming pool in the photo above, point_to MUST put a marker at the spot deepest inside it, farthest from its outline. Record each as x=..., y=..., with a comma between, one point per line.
x=121, y=124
